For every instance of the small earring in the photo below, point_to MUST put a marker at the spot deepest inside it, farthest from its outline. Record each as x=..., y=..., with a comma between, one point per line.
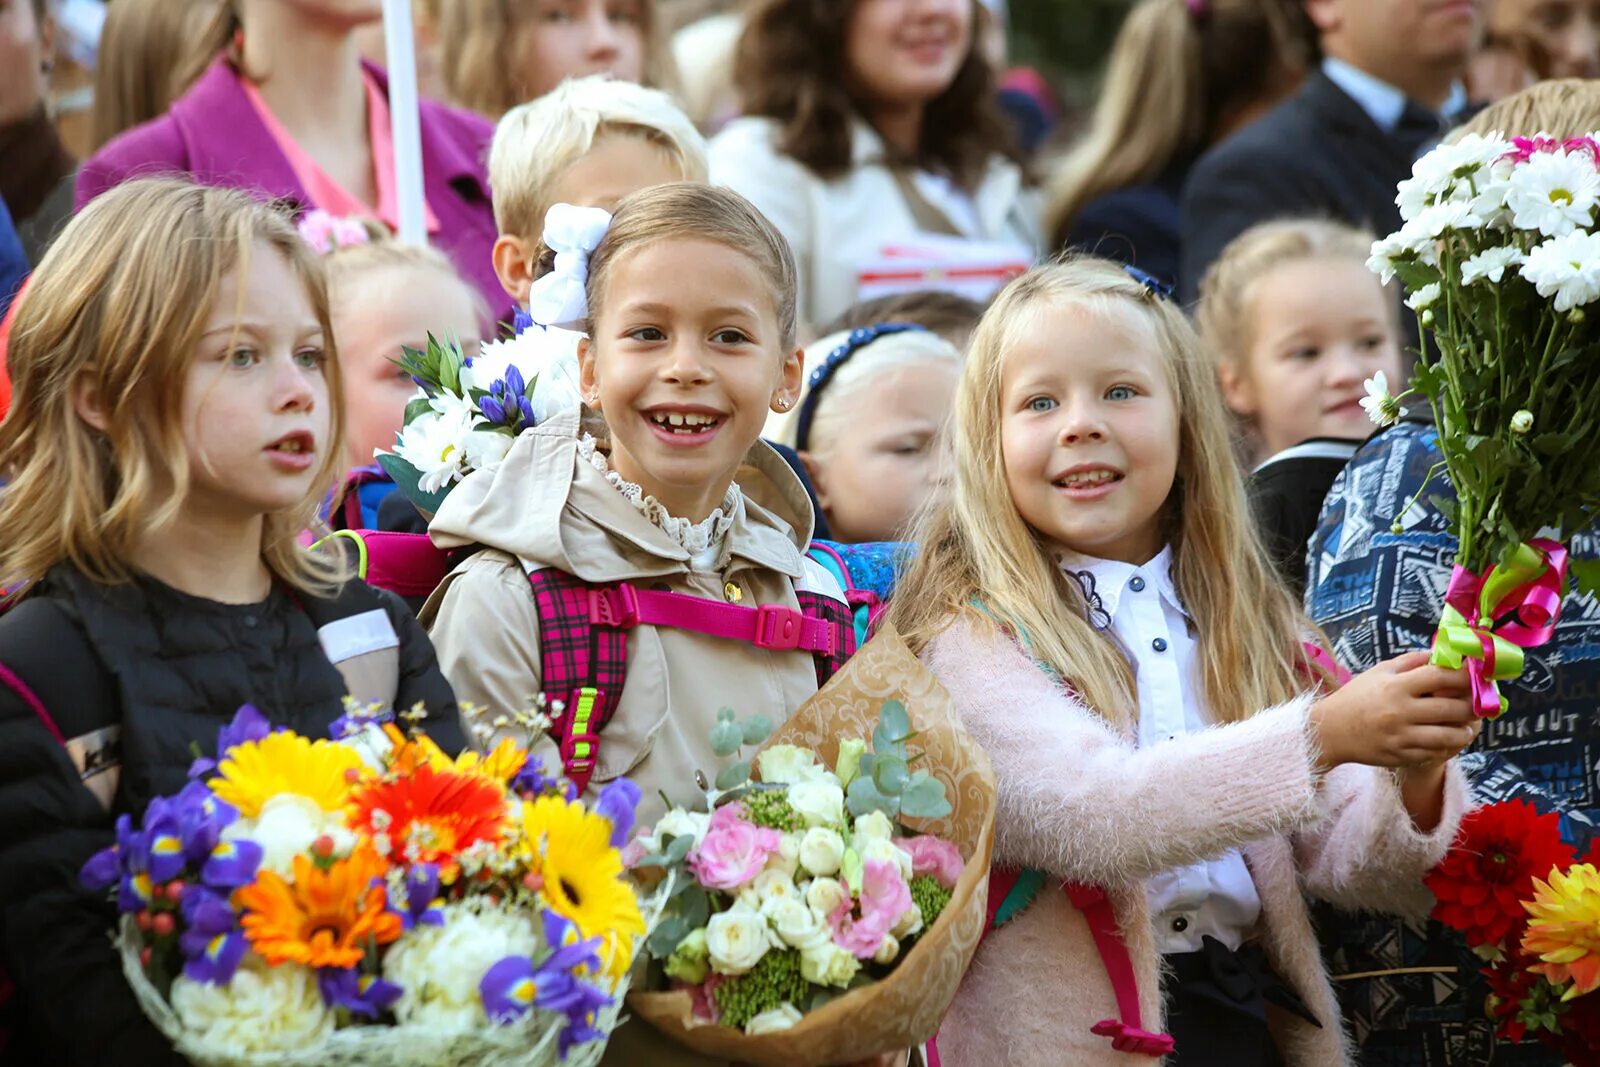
x=783, y=403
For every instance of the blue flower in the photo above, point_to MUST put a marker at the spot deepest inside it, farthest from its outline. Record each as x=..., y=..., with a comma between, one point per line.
x=346, y=726
x=515, y=385
x=366, y=995
x=520, y=321
x=491, y=409
x=212, y=959
x=232, y=864
x=619, y=802
x=422, y=897
x=248, y=725
x=205, y=913
x=201, y=820
x=531, y=781
x=515, y=985
x=164, y=840
x=525, y=406
x=103, y=869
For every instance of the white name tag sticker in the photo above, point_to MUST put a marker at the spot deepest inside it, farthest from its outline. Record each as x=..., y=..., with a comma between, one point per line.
x=357, y=635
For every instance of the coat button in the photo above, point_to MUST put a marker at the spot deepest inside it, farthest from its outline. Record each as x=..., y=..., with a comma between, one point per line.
x=1159, y=644
x=249, y=620
x=1180, y=924
x=1136, y=584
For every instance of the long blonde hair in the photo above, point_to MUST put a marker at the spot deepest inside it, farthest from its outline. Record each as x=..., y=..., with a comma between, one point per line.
x=1178, y=72
x=980, y=562
x=139, y=67
x=122, y=299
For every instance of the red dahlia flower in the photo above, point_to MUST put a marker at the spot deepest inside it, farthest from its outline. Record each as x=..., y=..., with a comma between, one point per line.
x=1480, y=884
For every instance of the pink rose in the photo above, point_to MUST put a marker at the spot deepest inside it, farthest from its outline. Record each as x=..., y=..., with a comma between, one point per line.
x=935, y=856
x=733, y=851
x=858, y=936
x=703, y=998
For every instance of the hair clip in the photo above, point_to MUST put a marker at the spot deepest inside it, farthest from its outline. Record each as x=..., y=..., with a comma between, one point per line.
x=1152, y=285
x=560, y=298
x=328, y=233
x=855, y=342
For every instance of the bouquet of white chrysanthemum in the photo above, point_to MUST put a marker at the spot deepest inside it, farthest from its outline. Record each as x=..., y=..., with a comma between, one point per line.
x=469, y=409
x=1501, y=261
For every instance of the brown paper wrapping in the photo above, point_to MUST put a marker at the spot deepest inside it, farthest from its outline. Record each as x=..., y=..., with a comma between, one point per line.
x=904, y=1009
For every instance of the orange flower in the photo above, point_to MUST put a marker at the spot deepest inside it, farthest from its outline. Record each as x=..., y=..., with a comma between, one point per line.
x=500, y=764
x=324, y=918
x=1564, y=929
x=430, y=816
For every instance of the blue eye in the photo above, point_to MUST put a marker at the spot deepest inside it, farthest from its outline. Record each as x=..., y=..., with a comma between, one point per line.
x=310, y=358
x=240, y=357
x=1121, y=392
x=1041, y=403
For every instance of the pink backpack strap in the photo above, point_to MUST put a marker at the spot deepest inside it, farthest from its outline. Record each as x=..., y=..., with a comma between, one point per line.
x=769, y=626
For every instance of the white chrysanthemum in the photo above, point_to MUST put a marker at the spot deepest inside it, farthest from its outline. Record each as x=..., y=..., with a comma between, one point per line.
x=1491, y=264
x=546, y=358
x=1386, y=253
x=439, y=968
x=1380, y=407
x=1448, y=172
x=435, y=443
x=486, y=448
x=286, y=827
x=1450, y=215
x=1566, y=268
x=263, y=1009
x=1554, y=193
x=1423, y=297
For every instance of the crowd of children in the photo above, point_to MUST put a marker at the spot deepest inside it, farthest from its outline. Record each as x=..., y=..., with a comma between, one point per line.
x=202, y=369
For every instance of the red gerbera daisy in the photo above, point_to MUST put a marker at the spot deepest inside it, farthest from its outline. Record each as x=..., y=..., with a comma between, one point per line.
x=430, y=816
x=1489, y=871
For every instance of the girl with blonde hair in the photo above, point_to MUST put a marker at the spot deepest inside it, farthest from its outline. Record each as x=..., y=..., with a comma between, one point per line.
x=175, y=422
x=1095, y=600
x=1183, y=74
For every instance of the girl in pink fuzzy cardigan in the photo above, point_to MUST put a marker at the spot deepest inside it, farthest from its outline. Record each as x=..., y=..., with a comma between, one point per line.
x=1166, y=747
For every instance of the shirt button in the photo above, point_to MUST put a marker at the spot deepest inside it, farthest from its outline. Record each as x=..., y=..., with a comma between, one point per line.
x=1137, y=584
x=249, y=620
x=1180, y=924
x=1159, y=644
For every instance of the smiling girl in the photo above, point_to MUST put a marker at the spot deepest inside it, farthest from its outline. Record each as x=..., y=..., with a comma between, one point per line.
x=176, y=422
x=1094, y=600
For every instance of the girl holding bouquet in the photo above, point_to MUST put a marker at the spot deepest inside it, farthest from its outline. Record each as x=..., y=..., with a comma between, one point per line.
x=1164, y=745
x=175, y=423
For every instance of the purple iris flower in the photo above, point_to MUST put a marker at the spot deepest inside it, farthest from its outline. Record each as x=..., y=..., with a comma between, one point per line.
x=422, y=894
x=619, y=802
x=366, y=995
x=232, y=864
x=515, y=985
x=350, y=725
x=201, y=820
x=248, y=725
x=163, y=835
x=531, y=781
x=103, y=868
x=212, y=959
x=205, y=913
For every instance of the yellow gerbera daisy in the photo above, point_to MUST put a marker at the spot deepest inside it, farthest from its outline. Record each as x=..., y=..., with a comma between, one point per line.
x=284, y=762
x=1564, y=929
x=583, y=879
x=501, y=764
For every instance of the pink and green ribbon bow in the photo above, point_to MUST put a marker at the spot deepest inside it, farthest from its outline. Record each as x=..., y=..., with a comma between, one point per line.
x=1490, y=618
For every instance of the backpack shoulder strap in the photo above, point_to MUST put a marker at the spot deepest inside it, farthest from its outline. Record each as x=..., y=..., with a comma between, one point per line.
x=583, y=662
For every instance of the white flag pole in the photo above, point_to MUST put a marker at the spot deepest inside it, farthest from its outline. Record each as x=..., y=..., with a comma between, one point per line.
x=398, y=35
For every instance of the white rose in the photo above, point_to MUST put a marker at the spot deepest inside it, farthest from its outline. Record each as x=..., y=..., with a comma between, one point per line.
x=821, y=850
x=676, y=823
x=263, y=1009
x=789, y=765
x=440, y=968
x=775, y=885
x=795, y=924
x=908, y=924
x=825, y=895
x=737, y=939
x=829, y=965
x=819, y=803
x=780, y=1018
x=887, y=952
x=873, y=824
x=878, y=848
x=787, y=856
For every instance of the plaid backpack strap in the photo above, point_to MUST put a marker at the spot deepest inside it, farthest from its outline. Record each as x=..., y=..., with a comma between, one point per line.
x=838, y=616
x=583, y=661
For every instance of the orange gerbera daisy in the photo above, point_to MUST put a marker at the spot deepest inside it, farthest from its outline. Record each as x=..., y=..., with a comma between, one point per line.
x=500, y=763
x=431, y=816
x=324, y=918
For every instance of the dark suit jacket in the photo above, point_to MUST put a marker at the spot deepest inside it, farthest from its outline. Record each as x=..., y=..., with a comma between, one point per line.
x=1137, y=224
x=1317, y=153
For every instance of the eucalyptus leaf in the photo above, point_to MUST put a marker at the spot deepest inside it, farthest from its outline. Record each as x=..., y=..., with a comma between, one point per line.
x=892, y=718
x=668, y=935
x=679, y=849
x=733, y=775
x=726, y=738
x=863, y=797
x=889, y=776
x=725, y=715
x=756, y=729
x=696, y=908
x=925, y=800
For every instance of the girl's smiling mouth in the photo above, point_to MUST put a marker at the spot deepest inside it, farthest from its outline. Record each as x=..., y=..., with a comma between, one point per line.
x=685, y=425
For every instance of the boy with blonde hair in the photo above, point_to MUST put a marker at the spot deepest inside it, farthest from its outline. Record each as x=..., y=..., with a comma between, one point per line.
x=589, y=142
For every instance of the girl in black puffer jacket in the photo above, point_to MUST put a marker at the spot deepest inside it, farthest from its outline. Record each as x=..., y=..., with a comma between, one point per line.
x=175, y=420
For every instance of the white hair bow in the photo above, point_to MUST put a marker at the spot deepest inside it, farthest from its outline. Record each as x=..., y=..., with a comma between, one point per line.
x=572, y=233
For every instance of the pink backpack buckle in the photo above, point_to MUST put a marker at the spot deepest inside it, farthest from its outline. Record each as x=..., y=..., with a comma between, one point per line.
x=778, y=628
x=616, y=607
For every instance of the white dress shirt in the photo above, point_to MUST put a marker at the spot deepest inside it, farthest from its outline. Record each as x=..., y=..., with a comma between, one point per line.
x=1382, y=102
x=1141, y=606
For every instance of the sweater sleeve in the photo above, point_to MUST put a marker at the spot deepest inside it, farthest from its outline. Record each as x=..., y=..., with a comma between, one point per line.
x=1086, y=806
x=55, y=944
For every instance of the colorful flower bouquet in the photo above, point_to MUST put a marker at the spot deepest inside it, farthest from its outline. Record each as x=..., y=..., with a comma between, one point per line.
x=807, y=923
x=369, y=900
x=468, y=410
x=1500, y=255
x=1518, y=896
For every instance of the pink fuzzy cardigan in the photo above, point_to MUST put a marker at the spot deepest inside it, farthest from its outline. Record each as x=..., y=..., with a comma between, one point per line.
x=1078, y=800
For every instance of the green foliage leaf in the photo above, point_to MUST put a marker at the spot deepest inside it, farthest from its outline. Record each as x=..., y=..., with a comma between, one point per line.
x=695, y=907
x=667, y=936
x=890, y=776
x=924, y=798
x=733, y=775
x=756, y=729
x=863, y=797
x=417, y=408
x=678, y=849
x=1587, y=574
x=726, y=738
x=725, y=715
x=894, y=721
x=406, y=479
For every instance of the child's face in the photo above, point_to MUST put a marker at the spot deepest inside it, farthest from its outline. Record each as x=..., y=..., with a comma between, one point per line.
x=1089, y=431
x=685, y=363
x=616, y=166
x=1318, y=328
x=256, y=414
x=374, y=317
x=893, y=454
x=563, y=39
x=906, y=52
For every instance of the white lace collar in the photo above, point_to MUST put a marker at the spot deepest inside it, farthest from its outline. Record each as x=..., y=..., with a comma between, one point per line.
x=702, y=540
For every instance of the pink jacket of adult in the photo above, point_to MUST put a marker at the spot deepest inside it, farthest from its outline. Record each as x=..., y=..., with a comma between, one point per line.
x=213, y=135
x=1079, y=801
